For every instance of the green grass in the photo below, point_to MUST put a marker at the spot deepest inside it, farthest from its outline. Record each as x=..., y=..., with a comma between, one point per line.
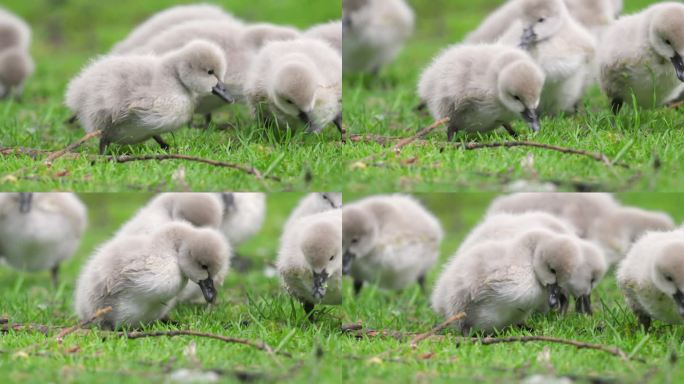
x=650, y=141
x=67, y=34
x=252, y=305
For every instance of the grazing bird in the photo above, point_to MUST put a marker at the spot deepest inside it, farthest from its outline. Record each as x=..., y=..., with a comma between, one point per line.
x=315, y=203
x=330, y=32
x=561, y=47
x=500, y=283
x=39, y=231
x=170, y=18
x=310, y=259
x=135, y=98
x=652, y=278
x=391, y=240
x=482, y=87
x=295, y=83
x=140, y=276
x=16, y=64
x=641, y=57
x=504, y=226
x=597, y=217
x=375, y=31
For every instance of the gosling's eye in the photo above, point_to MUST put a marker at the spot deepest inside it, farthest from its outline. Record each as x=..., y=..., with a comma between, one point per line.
x=354, y=240
x=541, y=20
x=668, y=42
x=332, y=257
x=552, y=270
x=289, y=101
x=517, y=98
x=205, y=267
x=668, y=278
x=593, y=281
x=211, y=72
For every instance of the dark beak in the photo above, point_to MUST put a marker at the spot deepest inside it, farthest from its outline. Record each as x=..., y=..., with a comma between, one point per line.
x=319, y=285
x=583, y=304
x=679, y=299
x=679, y=66
x=554, y=295
x=208, y=289
x=531, y=118
x=221, y=91
x=347, y=259
x=306, y=120
x=25, y=199
x=228, y=201
x=338, y=124
x=528, y=38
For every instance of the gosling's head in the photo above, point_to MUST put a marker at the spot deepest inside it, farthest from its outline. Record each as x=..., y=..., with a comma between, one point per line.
x=359, y=234
x=321, y=247
x=587, y=275
x=666, y=35
x=520, y=86
x=200, y=67
x=541, y=20
x=203, y=254
x=555, y=259
x=668, y=273
x=329, y=200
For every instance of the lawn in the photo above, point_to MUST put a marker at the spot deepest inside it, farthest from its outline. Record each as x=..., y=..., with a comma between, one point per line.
x=252, y=306
x=649, y=142
x=68, y=33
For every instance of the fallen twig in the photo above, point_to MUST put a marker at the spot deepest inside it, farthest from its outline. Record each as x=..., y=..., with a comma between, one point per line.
x=40, y=328
x=383, y=140
x=56, y=155
x=615, y=351
x=66, y=331
x=404, y=142
x=439, y=328
x=249, y=170
x=258, y=345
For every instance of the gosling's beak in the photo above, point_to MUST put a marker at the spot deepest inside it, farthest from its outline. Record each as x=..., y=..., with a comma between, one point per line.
x=319, y=284
x=679, y=299
x=531, y=118
x=338, y=124
x=528, y=38
x=583, y=304
x=228, y=200
x=678, y=63
x=208, y=289
x=347, y=259
x=554, y=295
x=221, y=91
x=312, y=126
x=25, y=199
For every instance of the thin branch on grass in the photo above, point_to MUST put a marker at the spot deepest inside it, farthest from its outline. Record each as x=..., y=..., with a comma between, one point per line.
x=382, y=140
x=422, y=133
x=249, y=170
x=40, y=328
x=56, y=155
x=435, y=330
x=66, y=331
x=615, y=351
x=258, y=345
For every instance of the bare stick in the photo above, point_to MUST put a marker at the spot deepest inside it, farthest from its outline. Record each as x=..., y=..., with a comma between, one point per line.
x=249, y=170
x=439, y=328
x=56, y=155
x=258, y=345
x=615, y=351
x=40, y=328
x=422, y=133
x=99, y=313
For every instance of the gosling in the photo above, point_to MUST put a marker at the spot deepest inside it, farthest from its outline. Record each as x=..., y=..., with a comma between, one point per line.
x=134, y=98
x=641, y=57
x=16, y=64
x=482, y=87
x=141, y=276
x=39, y=231
x=330, y=32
